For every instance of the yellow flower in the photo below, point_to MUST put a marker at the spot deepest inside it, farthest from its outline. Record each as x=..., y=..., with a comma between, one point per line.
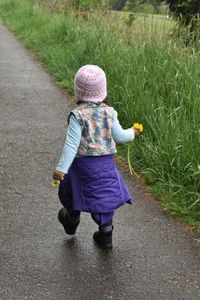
x=55, y=183
x=138, y=126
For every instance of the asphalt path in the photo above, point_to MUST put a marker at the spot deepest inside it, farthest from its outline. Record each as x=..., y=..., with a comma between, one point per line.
x=153, y=257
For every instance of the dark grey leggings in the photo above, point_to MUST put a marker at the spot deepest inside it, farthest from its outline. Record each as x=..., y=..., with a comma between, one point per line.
x=103, y=219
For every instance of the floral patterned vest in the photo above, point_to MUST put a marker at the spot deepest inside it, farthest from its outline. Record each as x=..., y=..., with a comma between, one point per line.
x=96, y=122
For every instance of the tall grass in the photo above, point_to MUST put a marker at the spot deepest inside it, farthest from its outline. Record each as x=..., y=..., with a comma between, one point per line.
x=152, y=82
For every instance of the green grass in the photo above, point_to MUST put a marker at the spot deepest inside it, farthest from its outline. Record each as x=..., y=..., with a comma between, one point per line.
x=152, y=82
x=139, y=27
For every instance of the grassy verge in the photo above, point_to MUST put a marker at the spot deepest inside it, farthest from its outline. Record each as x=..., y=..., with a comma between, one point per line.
x=152, y=82
x=137, y=28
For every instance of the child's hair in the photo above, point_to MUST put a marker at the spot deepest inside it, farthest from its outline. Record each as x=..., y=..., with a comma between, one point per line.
x=90, y=84
x=78, y=102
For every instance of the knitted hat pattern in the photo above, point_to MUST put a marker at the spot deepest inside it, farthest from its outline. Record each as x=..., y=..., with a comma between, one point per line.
x=90, y=84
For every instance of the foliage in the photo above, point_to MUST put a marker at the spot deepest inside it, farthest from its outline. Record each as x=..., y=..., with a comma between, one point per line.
x=187, y=13
x=85, y=4
x=90, y=4
x=132, y=5
x=81, y=5
x=119, y=4
x=130, y=19
x=141, y=5
x=156, y=5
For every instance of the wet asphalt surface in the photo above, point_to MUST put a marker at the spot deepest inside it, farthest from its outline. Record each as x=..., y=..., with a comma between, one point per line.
x=153, y=256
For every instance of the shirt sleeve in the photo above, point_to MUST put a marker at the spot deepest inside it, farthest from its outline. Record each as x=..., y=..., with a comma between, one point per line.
x=72, y=142
x=119, y=134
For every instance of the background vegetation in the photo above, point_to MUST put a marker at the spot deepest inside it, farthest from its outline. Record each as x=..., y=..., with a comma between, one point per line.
x=152, y=79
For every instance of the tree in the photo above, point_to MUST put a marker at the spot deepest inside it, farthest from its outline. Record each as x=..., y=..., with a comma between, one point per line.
x=156, y=5
x=118, y=5
x=186, y=12
x=132, y=5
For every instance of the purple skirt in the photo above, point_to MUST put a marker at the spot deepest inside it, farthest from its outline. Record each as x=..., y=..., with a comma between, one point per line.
x=93, y=184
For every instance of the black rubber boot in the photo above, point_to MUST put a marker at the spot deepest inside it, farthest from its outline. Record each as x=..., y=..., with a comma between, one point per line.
x=70, y=227
x=103, y=238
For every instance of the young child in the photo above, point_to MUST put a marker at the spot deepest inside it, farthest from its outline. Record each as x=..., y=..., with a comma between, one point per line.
x=89, y=180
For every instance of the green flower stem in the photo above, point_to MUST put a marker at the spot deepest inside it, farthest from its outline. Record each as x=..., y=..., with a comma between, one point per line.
x=132, y=172
x=129, y=158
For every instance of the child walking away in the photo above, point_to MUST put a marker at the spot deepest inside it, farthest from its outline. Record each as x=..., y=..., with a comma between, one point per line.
x=89, y=180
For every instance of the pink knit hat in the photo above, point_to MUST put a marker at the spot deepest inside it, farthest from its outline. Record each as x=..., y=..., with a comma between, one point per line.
x=90, y=84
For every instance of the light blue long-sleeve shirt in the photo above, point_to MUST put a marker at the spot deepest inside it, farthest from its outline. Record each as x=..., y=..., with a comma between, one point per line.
x=73, y=138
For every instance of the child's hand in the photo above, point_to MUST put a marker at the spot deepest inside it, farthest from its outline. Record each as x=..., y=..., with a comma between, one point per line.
x=58, y=175
x=136, y=131
x=137, y=128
